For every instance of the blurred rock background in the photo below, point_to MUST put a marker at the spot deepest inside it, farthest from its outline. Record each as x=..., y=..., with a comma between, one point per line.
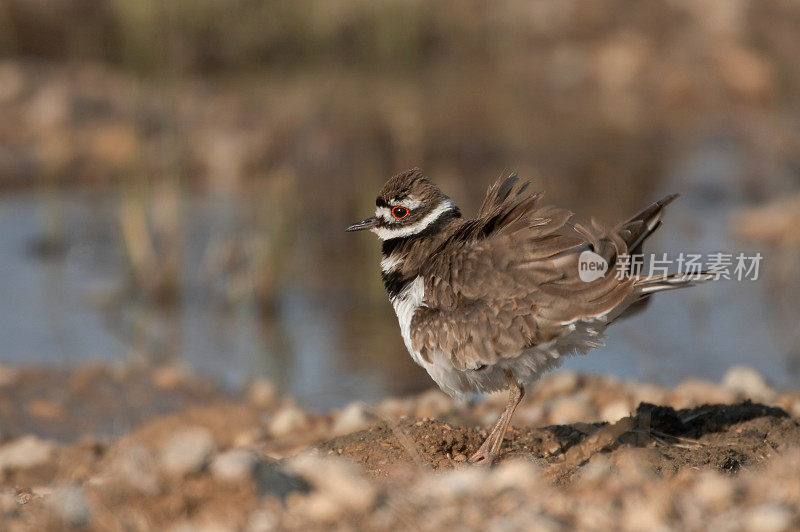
x=175, y=176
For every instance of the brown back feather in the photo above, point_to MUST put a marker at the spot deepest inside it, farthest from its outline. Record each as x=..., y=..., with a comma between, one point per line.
x=508, y=280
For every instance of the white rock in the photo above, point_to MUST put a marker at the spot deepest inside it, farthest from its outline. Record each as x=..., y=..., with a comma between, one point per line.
x=713, y=490
x=768, y=518
x=336, y=480
x=596, y=471
x=395, y=407
x=433, y=403
x=248, y=437
x=794, y=408
x=7, y=373
x=692, y=392
x=70, y=506
x=514, y=474
x=236, y=465
x=188, y=451
x=27, y=451
x=262, y=393
x=290, y=419
x=642, y=514
x=321, y=507
x=632, y=464
x=748, y=382
x=453, y=485
x=647, y=393
x=353, y=418
x=530, y=414
x=132, y=467
x=615, y=411
x=263, y=521
x=203, y=525
x=169, y=377
x=560, y=383
x=596, y=517
x=571, y=409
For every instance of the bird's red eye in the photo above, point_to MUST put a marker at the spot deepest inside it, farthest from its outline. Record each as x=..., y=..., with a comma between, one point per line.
x=399, y=212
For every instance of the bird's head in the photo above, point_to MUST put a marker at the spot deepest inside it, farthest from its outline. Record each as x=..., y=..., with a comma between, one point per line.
x=408, y=205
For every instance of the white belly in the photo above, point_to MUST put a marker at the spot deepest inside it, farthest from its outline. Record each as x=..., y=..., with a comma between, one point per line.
x=405, y=305
x=526, y=367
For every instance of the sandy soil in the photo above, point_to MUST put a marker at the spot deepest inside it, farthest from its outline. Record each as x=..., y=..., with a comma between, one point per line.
x=585, y=452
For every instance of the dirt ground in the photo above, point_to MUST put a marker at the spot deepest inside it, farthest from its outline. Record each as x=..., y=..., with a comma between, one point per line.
x=584, y=452
x=722, y=438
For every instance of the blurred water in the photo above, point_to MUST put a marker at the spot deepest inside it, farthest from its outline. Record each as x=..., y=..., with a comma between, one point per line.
x=61, y=269
x=45, y=312
x=702, y=331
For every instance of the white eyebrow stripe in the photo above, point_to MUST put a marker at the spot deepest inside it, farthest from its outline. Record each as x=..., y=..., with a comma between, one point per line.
x=388, y=233
x=409, y=203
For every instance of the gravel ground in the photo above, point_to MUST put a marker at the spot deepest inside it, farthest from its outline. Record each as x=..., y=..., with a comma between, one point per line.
x=585, y=452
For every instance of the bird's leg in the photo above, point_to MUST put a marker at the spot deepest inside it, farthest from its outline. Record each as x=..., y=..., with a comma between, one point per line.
x=490, y=449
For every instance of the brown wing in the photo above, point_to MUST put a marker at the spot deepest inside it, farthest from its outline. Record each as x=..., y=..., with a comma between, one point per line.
x=508, y=280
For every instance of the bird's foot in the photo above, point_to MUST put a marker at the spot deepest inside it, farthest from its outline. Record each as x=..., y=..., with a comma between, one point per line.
x=489, y=451
x=483, y=457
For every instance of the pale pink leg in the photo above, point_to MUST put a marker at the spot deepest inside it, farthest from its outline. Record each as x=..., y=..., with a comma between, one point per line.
x=490, y=449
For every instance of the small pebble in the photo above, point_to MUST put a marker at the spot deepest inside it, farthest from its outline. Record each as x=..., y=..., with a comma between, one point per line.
x=248, y=437
x=433, y=403
x=560, y=383
x=769, y=517
x=748, y=382
x=288, y=420
x=454, y=484
x=352, y=419
x=615, y=411
x=514, y=474
x=570, y=409
x=338, y=480
x=713, y=490
x=131, y=467
x=262, y=393
x=319, y=507
x=693, y=392
x=263, y=521
x=8, y=375
x=168, y=377
x=236, y=465
x=188, y=451
x=70, y=506
x=25, y=452
x=394, y=407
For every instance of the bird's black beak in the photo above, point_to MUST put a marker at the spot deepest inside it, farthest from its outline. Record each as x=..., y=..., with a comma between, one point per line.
x=369, y=223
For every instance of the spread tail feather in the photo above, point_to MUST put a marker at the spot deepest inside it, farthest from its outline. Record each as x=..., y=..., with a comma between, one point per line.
x=643, y=224
x=646, y=285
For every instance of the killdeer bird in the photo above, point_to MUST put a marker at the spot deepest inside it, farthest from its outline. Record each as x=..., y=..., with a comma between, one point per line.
x=492, y=302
